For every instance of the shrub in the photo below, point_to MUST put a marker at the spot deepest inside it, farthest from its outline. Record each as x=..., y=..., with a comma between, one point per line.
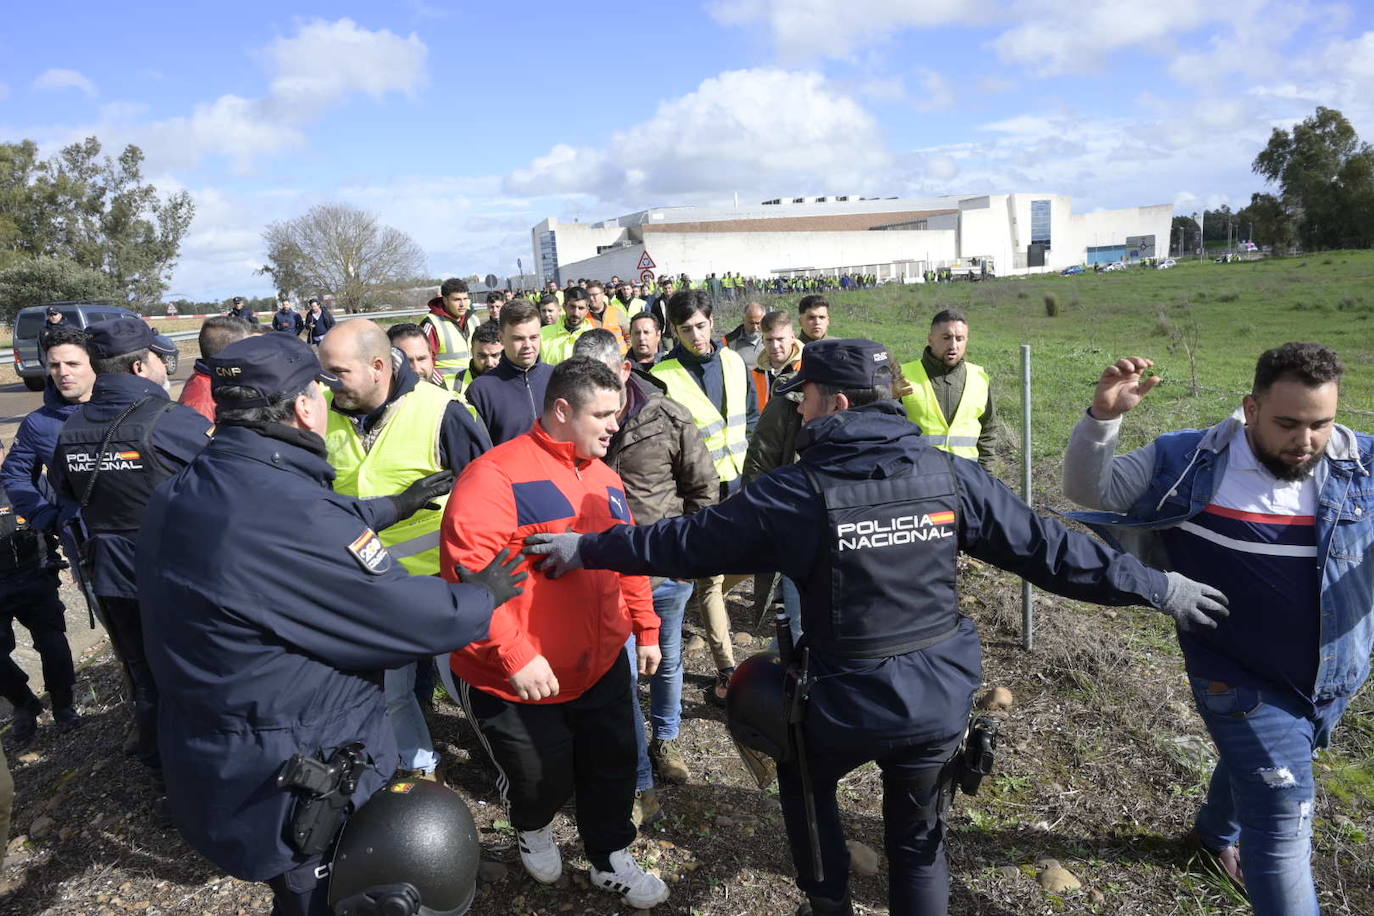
x=1051, y=304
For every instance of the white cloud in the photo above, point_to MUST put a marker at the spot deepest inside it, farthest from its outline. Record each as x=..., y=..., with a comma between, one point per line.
x=835, y=28
x=745, y=130
x=327, y=61
x=61, y=78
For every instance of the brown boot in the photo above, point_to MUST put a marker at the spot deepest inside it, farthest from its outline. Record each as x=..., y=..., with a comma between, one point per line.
x=668, y=760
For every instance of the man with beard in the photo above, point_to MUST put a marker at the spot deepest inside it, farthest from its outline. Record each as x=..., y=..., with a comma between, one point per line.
x=556, y=340
x=1274, y=507
x=384, y=429
x=951, y=398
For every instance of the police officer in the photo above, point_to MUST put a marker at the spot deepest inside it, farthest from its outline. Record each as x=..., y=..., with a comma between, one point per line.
x=261, y=659
x=868, y=523
x=28, y=594
x=111, y=453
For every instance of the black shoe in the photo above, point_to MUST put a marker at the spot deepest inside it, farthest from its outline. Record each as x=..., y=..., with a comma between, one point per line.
x=26, y=722
x=67, y=718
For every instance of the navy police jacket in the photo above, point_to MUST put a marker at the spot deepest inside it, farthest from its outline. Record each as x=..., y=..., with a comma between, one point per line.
x=179, y=435
x=779, y=522
x=257, y=659
x=22, y=473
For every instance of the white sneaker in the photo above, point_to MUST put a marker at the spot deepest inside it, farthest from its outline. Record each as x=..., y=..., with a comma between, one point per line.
x=539, y=854
x=637, y=887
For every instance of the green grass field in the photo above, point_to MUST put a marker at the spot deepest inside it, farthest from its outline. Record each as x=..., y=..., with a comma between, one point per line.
x=1239, y=310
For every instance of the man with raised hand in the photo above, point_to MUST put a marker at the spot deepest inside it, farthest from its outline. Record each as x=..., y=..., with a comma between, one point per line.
x=1274, y=507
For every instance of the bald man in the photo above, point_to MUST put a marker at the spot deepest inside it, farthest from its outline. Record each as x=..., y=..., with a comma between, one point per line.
x=747, y=339
x=385, y=431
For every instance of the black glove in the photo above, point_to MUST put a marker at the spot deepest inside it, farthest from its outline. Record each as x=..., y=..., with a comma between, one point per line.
x=499, y=578
x=417, y=496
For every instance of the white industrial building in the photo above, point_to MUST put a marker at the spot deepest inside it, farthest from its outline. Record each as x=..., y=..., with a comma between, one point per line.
x=891, y=238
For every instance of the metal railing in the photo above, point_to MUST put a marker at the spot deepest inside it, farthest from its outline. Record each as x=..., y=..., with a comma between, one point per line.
x=7, y=355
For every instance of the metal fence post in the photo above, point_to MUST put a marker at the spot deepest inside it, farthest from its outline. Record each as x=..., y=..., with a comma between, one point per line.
x=1027, y=599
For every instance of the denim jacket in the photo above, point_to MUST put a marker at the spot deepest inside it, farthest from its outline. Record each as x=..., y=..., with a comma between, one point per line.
x=1187, y=467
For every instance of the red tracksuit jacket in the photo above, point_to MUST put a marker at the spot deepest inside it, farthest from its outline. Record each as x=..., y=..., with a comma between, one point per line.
x=580, y=621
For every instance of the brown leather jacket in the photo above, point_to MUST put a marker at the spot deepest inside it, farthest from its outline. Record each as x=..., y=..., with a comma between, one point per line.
x=660, y=456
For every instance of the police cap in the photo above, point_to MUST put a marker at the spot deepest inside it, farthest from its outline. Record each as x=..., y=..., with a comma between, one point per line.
x=273, y=365
x=842, y=363
x=118, y=336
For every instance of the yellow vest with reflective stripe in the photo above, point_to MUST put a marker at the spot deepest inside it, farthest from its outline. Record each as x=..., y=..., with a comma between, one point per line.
x=959, y=436
x=454, y=346
x=725, y=436
x=406, y=449
x=556, y=341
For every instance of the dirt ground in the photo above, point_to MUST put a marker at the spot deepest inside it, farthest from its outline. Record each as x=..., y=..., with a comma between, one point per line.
x=1101, y=768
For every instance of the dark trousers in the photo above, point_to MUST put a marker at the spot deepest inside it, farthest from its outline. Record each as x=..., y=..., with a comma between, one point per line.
x=914, y=834
x=545, y=752
x=299, y=893
x=125, y=624
x=32, y=600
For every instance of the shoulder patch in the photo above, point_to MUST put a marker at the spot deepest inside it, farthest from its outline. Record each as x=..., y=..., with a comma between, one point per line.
x=370, y=552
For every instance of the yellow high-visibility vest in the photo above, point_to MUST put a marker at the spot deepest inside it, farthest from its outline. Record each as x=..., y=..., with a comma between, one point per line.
x=405, y=450
x=454, y=346
x=725, y=436
x=556, y=341
x=960, y=435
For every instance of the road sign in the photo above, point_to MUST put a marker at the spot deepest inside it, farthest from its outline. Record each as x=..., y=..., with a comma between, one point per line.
x=645, y=262
x=646, y=276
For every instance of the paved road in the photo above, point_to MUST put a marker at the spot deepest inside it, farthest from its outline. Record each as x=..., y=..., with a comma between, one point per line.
x=15, y=403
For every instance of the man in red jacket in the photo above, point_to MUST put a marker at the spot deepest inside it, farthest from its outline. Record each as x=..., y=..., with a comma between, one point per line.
x=549, y=689
x=216, y=333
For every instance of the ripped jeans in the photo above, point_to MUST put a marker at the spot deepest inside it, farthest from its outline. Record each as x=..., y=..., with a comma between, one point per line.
x=1262, y=792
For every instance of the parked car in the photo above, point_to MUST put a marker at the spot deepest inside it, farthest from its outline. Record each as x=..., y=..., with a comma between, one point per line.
x=1166, y=264
x=29, y=362
x=1071, y=270
x=1115, y=265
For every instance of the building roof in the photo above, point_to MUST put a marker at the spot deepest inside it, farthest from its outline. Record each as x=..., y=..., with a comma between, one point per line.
x=830, y=222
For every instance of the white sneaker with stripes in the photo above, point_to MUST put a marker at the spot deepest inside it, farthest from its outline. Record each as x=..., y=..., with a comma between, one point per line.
x=637, y=887
x=539, y=854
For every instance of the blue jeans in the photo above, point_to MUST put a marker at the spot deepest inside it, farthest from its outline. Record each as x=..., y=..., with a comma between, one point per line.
x=665, y=687
x=412, y=734
x=1261, y=795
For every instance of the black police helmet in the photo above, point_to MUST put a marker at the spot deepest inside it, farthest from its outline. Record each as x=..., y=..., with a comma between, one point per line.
x=411, y=850
x=756, y=705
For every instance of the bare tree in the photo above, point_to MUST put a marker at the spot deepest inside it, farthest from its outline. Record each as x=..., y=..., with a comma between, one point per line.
x=344, y=251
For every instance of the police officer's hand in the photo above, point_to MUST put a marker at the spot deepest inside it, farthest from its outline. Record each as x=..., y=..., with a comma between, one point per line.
x=417, y=496
x=535, y=681
x=1193, y=604
x=500, y=577
x=1122, y=386
x=649, y=658
x=557, y=553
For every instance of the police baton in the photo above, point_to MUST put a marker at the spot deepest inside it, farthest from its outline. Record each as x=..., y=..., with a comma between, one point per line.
x=796, y=732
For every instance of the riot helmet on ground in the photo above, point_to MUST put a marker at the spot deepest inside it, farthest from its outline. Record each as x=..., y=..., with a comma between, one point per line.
x=411, y=850
x=756, y=705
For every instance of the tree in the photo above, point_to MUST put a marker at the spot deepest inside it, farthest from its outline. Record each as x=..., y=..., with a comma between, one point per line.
x=35, y=281
x=1267, y=222
x=341, y=250
x=1325, y=175
x=97, y=212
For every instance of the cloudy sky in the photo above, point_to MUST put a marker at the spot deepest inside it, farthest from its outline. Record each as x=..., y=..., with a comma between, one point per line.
x=464, y=124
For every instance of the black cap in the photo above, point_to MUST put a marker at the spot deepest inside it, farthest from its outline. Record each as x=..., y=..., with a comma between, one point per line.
x=273, y=365
x=53, y=312
x=842, y=363
x=118, y=336
x=237, y=300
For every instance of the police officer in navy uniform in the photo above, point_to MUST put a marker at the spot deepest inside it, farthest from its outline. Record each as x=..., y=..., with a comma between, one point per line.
x=112, y=451
x=28, y=595
x=261, y=659
x=868, y=523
